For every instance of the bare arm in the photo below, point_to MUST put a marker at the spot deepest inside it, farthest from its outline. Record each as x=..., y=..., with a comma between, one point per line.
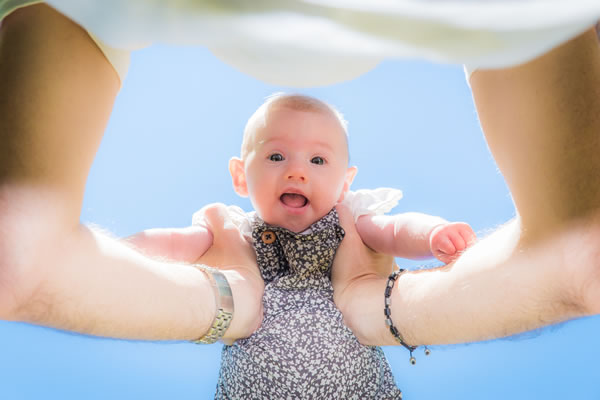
x=486, y=293
x=415, y=235
x=541, y=121
x=56, y=94
x=402, y=235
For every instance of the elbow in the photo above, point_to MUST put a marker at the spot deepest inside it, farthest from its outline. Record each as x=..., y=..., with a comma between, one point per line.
x=35, y=225
x=585, y=297
x=21, y=253
x=580, y=260
x=13, y=297
x=8, y=303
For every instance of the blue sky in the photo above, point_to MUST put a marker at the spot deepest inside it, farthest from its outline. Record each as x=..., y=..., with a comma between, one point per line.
x=176, y=123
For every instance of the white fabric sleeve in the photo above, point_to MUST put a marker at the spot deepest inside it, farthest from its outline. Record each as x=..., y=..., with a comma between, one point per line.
x=371, y=201
x=282, y=42
x=469, y=69
x=118, y=58
x=239, y=217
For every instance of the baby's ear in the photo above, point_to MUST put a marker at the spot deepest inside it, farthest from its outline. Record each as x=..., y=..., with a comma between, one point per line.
x=238, y=176
x=350, y=174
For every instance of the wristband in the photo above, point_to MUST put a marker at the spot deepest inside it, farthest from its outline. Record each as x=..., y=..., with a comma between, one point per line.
x=388, y=316
x=223, y=302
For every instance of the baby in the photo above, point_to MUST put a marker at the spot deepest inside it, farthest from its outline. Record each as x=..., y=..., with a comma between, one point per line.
x=294, y=168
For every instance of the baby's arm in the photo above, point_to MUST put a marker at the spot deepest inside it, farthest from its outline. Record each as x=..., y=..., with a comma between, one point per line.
x=176, y=244
x=415, y=235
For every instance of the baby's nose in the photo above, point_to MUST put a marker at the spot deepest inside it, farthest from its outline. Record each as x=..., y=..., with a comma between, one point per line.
x=297, y=174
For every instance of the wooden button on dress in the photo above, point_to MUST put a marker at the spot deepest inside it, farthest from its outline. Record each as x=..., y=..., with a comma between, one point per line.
x=268, y=237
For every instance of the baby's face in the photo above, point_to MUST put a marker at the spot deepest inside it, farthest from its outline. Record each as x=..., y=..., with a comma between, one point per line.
x=296, y=168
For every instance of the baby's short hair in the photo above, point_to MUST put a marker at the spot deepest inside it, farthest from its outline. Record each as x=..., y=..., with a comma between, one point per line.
x=298, y=102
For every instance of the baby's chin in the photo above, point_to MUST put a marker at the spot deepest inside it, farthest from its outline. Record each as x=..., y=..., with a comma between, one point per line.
x=296, y=228
x=293, y=226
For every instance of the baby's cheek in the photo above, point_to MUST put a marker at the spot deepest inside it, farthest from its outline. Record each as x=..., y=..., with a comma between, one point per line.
x=260, y=206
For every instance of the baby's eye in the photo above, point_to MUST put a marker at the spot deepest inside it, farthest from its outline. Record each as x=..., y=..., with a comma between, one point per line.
x=317, y=160
x=276, y=157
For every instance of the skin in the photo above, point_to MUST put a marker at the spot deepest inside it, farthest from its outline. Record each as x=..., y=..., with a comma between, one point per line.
x=295, y=152
x=541, y=121
x=53, y=270
x=305, y=152
x=50, y=129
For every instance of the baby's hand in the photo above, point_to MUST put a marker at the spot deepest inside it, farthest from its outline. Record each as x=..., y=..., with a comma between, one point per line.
x=447, y=241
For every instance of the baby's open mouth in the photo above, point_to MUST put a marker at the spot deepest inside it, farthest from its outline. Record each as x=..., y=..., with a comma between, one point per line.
x=294, y=200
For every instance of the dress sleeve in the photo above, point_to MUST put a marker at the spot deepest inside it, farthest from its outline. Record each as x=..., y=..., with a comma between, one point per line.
x=282, y=42
x=372, y=201
x=240, y=218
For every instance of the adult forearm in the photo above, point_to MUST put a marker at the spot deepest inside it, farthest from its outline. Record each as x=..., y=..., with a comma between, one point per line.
x=485, y=294
x=88, y=282
x=62, y=274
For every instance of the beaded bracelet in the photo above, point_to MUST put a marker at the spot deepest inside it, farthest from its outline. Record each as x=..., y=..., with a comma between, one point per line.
x=388, y=316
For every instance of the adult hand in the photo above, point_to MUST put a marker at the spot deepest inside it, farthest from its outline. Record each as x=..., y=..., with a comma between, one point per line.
x=232, y=254
x=356, y=274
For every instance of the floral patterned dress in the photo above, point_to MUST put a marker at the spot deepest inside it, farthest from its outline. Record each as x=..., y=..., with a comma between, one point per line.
x=302, y=350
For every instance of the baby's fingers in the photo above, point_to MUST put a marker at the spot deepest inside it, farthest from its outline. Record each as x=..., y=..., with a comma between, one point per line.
x=468, y=235
x=457, y=240
x=444, y=245
x=449, y=240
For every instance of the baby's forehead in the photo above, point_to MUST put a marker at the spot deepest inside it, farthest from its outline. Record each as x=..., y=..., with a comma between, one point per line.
x=328, y=115
x=260, y=121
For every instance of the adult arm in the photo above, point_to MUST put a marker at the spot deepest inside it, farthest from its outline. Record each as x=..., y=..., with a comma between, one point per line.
x=56, y=94
x=541, y=121
x=486, y=293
